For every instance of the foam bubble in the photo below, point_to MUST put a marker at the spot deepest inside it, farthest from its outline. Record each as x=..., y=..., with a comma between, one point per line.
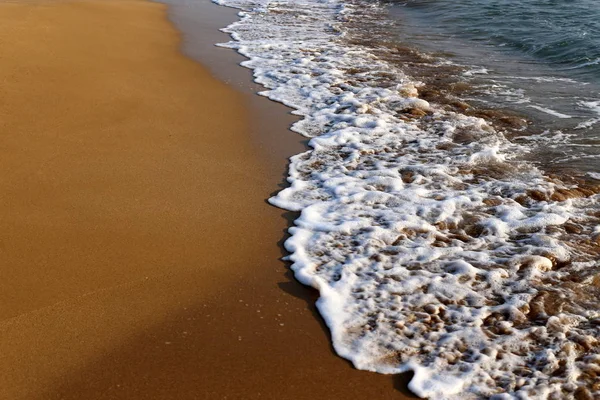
x=433, y=247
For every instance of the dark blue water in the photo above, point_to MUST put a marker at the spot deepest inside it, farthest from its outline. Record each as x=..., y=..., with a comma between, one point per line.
x=538, y=59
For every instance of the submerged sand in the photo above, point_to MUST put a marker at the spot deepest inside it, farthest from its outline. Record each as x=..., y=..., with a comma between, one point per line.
x=138, y=254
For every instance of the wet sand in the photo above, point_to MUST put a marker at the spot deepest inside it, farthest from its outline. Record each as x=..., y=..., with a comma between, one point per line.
x=139, y=257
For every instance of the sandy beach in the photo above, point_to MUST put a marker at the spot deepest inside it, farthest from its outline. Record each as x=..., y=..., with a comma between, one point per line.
x=140, y=259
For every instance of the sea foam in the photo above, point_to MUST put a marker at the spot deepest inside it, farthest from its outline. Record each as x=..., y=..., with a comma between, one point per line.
x=434, y=249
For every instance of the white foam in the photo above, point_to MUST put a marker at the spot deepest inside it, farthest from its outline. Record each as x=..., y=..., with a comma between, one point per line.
x=417, y=229
x=594, y=175
x=595, y=107
x=476, y=71
x=551, y=112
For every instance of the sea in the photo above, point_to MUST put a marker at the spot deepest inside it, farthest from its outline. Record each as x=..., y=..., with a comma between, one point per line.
x=448, y=205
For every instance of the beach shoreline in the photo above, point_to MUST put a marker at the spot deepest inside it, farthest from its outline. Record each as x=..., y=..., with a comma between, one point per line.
x=140, y=254
x=435, y=244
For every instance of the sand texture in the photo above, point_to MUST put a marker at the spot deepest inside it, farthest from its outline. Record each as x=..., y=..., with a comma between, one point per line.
x=138, y=257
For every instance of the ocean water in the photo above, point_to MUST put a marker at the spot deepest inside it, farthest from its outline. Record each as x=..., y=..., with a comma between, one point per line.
x=539, y=59
x=561, y=34
x=448, y=204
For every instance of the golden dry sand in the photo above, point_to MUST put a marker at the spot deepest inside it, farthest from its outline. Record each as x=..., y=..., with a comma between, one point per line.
x=138, y=257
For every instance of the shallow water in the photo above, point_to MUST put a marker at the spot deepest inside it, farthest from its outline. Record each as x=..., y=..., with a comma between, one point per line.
x=433, y=228
x=537, y=59
x=560, y=34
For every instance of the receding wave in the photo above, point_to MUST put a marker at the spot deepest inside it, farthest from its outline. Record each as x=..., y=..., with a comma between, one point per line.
x=435, y=247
